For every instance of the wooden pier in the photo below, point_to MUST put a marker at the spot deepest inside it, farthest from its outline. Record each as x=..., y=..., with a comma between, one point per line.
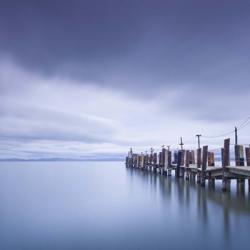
x=197, y=164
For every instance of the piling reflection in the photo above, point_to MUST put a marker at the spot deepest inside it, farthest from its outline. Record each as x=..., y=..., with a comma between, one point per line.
x=187, y=192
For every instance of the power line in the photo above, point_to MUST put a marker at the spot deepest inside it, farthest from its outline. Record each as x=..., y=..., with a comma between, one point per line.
x=244, y=123
x=241, y=126
x=217, y=136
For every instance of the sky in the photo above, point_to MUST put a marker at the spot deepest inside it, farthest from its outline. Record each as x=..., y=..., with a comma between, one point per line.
x=89, y=79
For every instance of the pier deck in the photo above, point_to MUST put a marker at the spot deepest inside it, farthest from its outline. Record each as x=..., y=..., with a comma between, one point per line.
x=203, y=169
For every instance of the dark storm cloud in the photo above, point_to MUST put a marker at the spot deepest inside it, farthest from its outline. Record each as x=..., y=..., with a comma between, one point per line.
x=131, y=43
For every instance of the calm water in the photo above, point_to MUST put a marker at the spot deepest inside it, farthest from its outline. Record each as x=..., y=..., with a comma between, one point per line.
x=103, y=205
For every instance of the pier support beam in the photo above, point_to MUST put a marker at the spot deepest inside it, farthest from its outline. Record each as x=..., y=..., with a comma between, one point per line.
x=211, y=182
x=192, y=176
x=182, y=172
x=226, y=184
x=241, y=186
x=199, y=177
x=169, y=172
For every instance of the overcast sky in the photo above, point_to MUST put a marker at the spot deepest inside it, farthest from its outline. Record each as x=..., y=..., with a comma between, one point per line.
x=91, y=78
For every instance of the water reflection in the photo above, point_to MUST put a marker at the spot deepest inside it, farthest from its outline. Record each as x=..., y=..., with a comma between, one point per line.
x=234, y=202
x=103, y=205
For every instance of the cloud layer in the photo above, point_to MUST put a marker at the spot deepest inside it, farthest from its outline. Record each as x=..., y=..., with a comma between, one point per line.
x=52, y=117
x=99, y=77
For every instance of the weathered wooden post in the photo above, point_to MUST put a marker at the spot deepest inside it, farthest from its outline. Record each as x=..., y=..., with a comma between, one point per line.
x=204, y=165
x=187, y=162
x=192, y=160
x=210, y=156
x=154, y=161
x=198, y=165
x=222, y=156
x=163, y=156
x=226, y=162
x=138, y=161
x=130, y=157
x=134, y=160
x=227, y=152
x=248, y=164
x=169, y=162
x=183, y=157
x=239, y=155
x=248, y=156
x=151, y=158
x=175, y=157
x=239, y=159
x=160, y=161
x=210, y=163
x=142, y=161
x=145, y=160
x=127, y=161
x=187, y=158
x=179, y=158
x=198, y=157
x=165, y=166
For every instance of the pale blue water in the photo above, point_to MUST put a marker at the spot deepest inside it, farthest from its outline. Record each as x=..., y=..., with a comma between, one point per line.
x=103, y=205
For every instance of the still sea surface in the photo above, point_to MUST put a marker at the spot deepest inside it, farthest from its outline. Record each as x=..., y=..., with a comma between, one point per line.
x=104, y=205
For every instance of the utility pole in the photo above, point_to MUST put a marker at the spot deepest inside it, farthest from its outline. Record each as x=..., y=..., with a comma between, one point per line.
x=236, y=136
x=199, y=143
x=181, y=144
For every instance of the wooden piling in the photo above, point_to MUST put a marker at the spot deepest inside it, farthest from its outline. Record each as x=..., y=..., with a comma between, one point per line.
x=134, y=160
x=227, y=152
x=163, y=157
x=192, y=157
x=247, y=156
x=222, y=157
x=198, y=165
x=198, y=157
x=210, y=156
x=146, y=160
x=169, y=162
x=169, y=158
x=225, y=162
x=187, y=158
x=179, y=158
x=241, y=186
x=155, y=159
x=183, y=158
x=187, y=162
x=165, y=161
x=204, y=165
x=198, y=177
x=239, y=155
x=142, y=161
x=160, y=159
